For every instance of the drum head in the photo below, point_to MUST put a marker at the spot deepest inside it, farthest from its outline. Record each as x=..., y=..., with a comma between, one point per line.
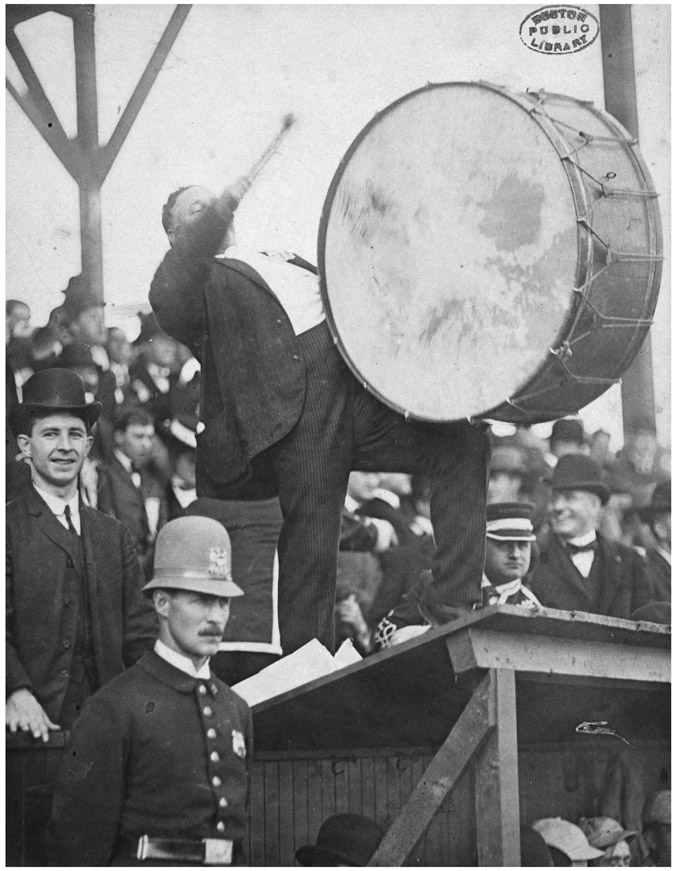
x=448, y=251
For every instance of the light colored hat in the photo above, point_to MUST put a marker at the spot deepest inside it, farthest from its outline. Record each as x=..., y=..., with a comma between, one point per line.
x=659, y=810
x=510, y=521
x=193, y=553
x=603, y=832
x=566, y=837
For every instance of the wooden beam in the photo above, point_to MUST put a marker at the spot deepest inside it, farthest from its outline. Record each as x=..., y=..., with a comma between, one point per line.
x=63, y=150
x=443, y=772
x=497, y=779
x=487, y=648
x=110, y=151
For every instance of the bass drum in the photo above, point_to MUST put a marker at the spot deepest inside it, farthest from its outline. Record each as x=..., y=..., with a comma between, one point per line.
x=487, y=254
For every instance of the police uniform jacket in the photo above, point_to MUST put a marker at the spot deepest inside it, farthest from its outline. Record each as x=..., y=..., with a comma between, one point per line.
x=253, y=381
x=617, y=585
x=155, y=752
x=41, y=617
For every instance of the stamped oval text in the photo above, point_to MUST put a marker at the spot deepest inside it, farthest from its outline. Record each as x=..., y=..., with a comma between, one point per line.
x=559, y=29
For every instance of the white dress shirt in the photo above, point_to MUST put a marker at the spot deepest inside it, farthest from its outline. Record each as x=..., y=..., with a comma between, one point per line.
x=57, y=506
x=297, y=289
x=583, y=561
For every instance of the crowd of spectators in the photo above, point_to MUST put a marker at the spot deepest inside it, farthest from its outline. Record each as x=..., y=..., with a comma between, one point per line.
x=142, y=466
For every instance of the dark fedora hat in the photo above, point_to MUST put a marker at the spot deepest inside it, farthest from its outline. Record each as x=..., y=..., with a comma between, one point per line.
x=78, y=297
x=580, y=472
x=51, y=391
x=661, y=502
x=343, y=839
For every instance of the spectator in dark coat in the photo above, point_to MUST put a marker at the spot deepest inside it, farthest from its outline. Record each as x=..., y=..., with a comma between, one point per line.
x=658, y=516
x=579, y=569
x=75, y=614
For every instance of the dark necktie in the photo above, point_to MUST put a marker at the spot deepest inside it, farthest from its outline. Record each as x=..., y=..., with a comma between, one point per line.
x=580, y=548
x=69, y=521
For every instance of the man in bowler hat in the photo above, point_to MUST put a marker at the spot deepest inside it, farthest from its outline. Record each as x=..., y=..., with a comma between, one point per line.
x=157, y=767
x=343, y=839
x=75, y=613
x=579, y=569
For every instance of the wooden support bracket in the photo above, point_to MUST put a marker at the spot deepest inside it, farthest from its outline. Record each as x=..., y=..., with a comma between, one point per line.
x=466, y=737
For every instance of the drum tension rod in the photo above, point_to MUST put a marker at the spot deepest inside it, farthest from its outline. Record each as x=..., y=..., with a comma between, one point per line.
x=602, y=321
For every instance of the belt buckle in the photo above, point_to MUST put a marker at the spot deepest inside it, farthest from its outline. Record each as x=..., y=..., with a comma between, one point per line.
x=218, y=851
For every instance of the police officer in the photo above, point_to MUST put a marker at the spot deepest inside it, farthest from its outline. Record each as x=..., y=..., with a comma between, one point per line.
x=157, y=768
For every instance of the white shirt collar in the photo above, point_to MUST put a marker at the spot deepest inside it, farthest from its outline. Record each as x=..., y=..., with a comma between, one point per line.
x=665, y=554
x=123, y=459
x=582, y=540
x=351, y=504
x=183, y=663
x=387, y=496
x=57, y=506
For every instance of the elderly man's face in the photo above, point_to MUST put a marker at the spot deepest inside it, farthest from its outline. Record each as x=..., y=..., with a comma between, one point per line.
x=574, y=513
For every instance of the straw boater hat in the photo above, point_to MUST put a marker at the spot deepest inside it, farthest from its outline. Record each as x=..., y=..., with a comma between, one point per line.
x=510, y=521
x=52, y=391
x=193, y=553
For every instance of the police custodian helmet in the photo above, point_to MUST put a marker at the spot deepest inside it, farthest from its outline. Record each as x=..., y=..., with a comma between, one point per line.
x=193, y=554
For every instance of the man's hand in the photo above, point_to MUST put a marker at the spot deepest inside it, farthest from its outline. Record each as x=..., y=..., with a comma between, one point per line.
x=24, y=713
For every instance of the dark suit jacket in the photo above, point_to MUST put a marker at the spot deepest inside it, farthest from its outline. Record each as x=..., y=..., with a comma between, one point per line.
x=660, y=573
x=41, y=624
x=159, y=405
x=118, y=497
x=253, y=381
x=618, y=583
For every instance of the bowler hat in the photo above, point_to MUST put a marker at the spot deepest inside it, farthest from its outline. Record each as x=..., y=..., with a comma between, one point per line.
x=343, y=839
x=580, y=472
x=567, y=430
x=661, y=502
x=51, y=391
x=193, y=553
x=510, y=521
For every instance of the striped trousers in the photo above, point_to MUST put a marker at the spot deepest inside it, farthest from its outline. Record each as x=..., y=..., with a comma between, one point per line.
x=342, y=428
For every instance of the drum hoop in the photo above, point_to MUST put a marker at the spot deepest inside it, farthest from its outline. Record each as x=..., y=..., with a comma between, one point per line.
x=580, y=200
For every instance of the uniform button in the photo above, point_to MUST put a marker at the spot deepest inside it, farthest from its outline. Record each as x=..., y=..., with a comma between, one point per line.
x=214, y=756
x=216, y=781
x=67, y=603
x=207, y=712
x=220, y=826
x=66, y=644
x=279, y=321
x=213, y=690
x=201, y=689
x=223, y=802
x=295, y=356
x=211, y=733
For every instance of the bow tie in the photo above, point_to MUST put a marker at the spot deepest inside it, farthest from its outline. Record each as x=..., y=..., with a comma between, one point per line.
x=581, y=548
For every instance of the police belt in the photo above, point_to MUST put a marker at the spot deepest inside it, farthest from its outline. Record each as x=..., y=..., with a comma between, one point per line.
x=208, y=851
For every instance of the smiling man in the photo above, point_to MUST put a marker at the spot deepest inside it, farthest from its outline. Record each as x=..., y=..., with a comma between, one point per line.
x=579, y=569
x=157, y=768
x=75, y=613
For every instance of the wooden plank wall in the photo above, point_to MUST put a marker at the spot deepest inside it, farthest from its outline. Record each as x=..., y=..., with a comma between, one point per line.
x=292, y=794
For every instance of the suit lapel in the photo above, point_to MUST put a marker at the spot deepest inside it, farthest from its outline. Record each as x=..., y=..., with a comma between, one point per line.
x=606, y=570
x=246, y=270
x=50, y=526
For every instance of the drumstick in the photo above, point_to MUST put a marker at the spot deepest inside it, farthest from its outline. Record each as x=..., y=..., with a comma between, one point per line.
x=235, y=192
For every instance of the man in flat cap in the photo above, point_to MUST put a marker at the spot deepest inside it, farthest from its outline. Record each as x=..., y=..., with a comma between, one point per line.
x=157, y=767
x=75, y=613
x=579, y=569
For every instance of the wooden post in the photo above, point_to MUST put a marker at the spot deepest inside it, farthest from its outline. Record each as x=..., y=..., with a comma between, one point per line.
x=497, y=779
x=620, y=99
